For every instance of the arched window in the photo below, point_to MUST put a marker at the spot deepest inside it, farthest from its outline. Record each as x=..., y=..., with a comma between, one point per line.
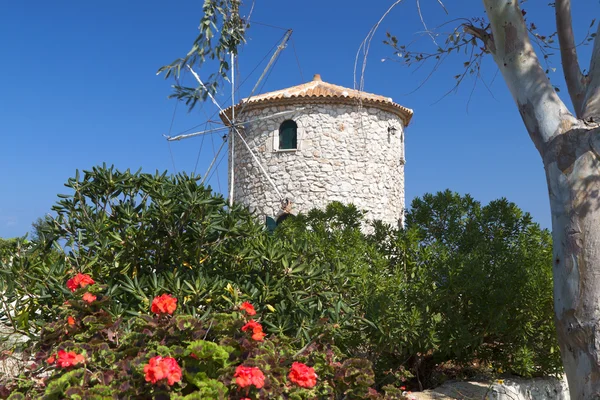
x=288, y=135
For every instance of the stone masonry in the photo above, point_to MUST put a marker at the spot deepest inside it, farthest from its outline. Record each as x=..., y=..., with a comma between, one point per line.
x=346, y=153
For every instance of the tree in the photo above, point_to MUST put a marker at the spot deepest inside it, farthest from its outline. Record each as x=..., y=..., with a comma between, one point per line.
x=569, y=146
x=568, y=143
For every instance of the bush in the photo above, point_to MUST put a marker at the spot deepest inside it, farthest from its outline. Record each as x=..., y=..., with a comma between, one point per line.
x=87, y=354
x=488, y=275
x=460, y=283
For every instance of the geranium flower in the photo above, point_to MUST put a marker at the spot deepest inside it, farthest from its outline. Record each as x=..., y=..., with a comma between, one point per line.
x=165, y=304
x=246, y=376
x=67, y=359
x=88, y=297
x=257, y=330
x=302, y=375
x=79, y=280
x=70, y=320
x=160, y=368
x=248, y=308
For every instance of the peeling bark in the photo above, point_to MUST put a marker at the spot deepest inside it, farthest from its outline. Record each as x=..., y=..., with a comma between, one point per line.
x=572, y=166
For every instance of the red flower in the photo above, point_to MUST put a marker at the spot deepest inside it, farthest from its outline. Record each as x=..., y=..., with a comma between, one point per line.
x=79, y=280
x=51, y=359
x=70, y=320
x=69, y=358
x=402, y=387
x=249, y=308
x=303, y=375
x=159, y=368
x=88, y=297
x=258, y=336
x=164, y=304
x=246, y=376
x=257, y=330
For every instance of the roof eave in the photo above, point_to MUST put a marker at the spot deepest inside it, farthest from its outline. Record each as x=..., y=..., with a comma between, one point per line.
x=404, y=113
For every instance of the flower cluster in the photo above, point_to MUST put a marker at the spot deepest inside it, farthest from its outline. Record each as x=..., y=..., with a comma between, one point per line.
x=88, y=297
x=162, y=368
x=79, y=280
x=165, y=304
x=246, y=376
x=257, y=330
x=65, y=359
x=248, y=308
x=303, y=375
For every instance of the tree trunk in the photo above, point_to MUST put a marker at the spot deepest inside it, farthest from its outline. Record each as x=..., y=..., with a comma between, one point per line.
x=570, y=150
x=572, y=166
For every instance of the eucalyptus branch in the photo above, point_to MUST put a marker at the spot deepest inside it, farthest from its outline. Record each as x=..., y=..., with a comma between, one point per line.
x=568, y=53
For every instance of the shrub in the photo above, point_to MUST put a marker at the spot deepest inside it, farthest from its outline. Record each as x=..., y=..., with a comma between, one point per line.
x=488, y=275
x=86, y=353
x=460, y=283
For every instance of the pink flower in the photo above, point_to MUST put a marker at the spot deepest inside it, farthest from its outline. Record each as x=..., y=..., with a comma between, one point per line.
x=164, y=304
x=160, y=368
x=79, y=280
x=302, y=375
x=246, y=376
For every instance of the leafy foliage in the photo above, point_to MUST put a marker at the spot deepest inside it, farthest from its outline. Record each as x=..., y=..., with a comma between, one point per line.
x=490, y=274
x=460, y=283
x=115, y=362
x=221, y=23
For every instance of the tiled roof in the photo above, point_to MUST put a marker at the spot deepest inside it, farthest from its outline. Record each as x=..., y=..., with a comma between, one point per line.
x=318, y=91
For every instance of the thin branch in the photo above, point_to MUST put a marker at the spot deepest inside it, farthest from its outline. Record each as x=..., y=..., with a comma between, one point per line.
x=568, y=54
x=366, y=45
x=481, y=34
x=424, y=24
x=591, y=106
x=443, y=6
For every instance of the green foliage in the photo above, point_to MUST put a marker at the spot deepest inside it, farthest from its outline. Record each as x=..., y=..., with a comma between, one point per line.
x=490, y=279
x=208, y=351
x=460, y=283
x=9, y=247
x=222, y=31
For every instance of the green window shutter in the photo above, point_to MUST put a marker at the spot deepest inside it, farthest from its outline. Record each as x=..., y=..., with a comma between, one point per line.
x=288, y=135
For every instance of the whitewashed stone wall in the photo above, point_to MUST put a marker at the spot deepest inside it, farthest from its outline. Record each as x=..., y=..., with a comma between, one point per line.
x=345, y=153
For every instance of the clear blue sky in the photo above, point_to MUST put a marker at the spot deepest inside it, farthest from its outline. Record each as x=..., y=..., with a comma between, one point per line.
x=78, y=87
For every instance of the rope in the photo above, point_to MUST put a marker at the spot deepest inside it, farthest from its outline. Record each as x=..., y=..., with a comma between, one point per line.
x=297, y=60
x=170, y=128
x=213, y=161
x=216, y=170
x=200, y=149
x=236, y=131
x=267, y=25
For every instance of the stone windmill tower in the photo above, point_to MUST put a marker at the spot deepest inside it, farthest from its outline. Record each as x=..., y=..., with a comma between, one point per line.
x=315, y=143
